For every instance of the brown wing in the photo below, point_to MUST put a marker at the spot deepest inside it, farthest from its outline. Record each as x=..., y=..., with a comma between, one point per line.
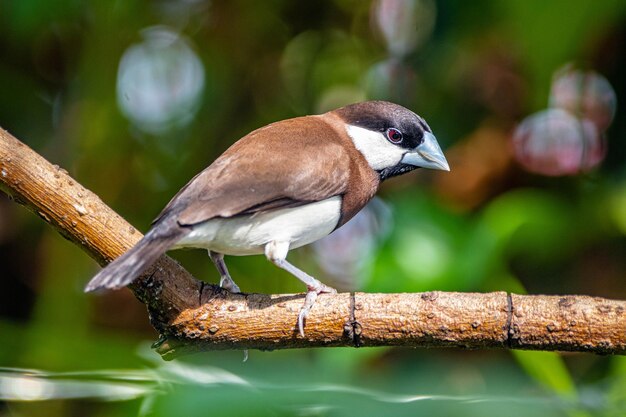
x=283, y=164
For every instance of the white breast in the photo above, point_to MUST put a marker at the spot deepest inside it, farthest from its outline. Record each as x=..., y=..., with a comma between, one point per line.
x=247, y=235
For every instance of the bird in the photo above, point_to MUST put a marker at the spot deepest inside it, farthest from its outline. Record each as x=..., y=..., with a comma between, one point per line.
x=283, y=186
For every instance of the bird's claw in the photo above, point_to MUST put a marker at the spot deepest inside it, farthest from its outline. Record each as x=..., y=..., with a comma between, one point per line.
x=309, y=301
x=227, y=283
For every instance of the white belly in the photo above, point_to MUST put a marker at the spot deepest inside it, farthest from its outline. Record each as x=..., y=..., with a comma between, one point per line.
x=248, y=235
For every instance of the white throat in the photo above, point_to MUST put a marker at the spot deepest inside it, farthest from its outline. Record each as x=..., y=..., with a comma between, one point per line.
x=375, y=147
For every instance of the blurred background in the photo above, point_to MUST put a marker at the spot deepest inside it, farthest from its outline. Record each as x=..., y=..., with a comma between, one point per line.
x=135, y=97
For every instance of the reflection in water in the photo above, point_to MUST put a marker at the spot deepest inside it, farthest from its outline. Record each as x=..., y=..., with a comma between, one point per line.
x=175, y=383
x=18, y=384
x=117, y=385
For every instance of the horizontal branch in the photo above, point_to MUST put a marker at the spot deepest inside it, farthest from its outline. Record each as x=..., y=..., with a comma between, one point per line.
x=194, y=316
x=432, y=319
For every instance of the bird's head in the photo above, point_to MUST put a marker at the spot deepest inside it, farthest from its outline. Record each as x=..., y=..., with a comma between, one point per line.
x=393, y=139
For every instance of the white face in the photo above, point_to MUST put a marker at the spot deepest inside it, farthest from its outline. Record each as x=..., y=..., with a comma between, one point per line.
x=377, y=150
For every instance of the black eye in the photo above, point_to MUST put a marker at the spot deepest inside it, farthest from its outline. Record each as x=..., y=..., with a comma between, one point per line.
x=394, y=135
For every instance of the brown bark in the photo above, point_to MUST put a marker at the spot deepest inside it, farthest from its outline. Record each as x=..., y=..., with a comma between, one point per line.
x=194, y=316
x=81, y=217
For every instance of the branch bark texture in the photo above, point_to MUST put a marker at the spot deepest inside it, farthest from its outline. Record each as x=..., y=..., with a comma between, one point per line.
x=195, y=316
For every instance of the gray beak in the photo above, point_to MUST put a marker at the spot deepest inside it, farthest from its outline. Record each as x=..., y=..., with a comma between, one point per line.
x=427, y=155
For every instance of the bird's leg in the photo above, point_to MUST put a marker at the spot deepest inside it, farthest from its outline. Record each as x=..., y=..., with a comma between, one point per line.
x=276, y=252
x=226, y=281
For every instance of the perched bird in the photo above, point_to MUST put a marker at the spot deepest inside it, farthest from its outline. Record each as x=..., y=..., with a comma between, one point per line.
x=283, y=186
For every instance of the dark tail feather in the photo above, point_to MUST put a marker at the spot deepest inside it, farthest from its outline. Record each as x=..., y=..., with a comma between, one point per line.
x=123, y=270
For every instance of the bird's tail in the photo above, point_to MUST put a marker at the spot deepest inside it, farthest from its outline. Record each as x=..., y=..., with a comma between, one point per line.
x=123, y=270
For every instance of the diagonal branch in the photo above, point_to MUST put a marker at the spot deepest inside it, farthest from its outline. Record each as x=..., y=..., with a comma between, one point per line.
x=195, y=316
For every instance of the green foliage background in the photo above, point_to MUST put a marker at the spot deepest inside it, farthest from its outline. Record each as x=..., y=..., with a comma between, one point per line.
x=485, y=66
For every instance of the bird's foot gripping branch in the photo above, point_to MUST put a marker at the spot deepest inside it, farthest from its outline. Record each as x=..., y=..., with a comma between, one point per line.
x=193, y=316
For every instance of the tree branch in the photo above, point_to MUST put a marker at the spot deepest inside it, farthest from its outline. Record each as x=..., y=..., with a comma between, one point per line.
x=194, y=316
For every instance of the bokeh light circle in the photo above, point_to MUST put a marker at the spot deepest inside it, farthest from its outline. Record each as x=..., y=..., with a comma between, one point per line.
x=404, y=24
x=160, y=81
x=585, y=94
x=554, y=142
